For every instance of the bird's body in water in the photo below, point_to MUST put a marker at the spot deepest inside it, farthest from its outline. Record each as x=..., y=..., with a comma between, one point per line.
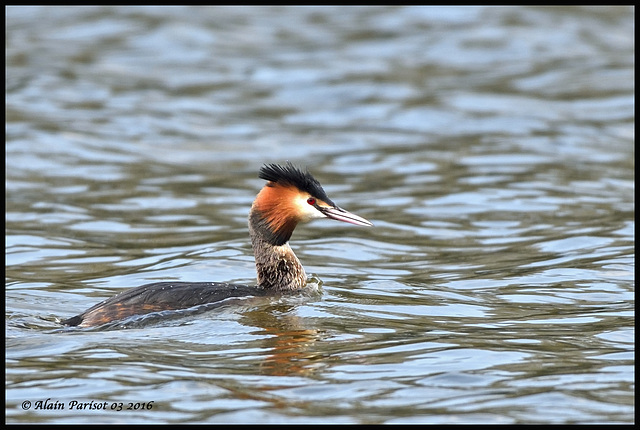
x=290, y=196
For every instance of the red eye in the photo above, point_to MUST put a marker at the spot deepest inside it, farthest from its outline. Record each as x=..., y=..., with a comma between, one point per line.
x=311, y=201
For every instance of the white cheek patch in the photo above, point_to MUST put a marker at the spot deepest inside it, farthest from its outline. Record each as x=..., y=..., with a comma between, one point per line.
x=306, y=211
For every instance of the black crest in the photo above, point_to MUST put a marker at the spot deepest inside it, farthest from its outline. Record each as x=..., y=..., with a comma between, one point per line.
x=291, y=175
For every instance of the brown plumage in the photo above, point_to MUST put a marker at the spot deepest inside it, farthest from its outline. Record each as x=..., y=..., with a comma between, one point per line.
x=290, y=196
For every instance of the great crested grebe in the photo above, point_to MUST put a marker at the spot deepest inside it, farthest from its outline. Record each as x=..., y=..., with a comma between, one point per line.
x=290, y=196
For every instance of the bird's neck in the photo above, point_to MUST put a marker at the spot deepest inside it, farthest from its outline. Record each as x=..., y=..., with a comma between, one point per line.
x=277, y=266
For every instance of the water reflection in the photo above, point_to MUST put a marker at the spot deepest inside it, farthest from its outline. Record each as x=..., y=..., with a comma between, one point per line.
x=286, y=344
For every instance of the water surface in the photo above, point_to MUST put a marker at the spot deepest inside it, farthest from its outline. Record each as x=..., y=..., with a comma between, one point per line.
x=493, y=148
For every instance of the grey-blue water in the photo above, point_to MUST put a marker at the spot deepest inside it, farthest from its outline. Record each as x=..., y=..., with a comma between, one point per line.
x=493, y=148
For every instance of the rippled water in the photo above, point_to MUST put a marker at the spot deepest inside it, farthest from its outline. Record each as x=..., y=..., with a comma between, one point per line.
x=493, y=148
